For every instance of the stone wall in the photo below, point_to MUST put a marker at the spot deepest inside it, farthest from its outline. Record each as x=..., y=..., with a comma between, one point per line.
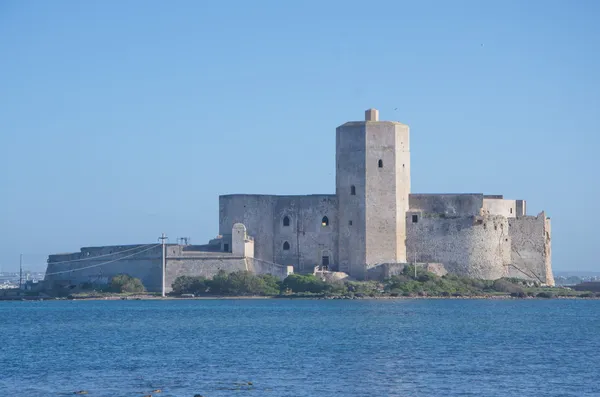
x=449, y=204
x=147, y=265
x=256, y=213
x=473, y=246
x=386, y=270
x=143, y=265
x=300, y=241
x=531, y=254
x=506, y=208
x=208, y=265
x=308, y=238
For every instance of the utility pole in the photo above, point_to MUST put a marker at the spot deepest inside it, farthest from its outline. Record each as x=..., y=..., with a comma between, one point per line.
x=415, y=263
x=162, y=238
x=20, y=270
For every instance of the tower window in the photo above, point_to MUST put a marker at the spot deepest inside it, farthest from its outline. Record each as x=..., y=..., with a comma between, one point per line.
x=225, y=247
x=415, y=218
x=511, y=210
x=353, y=190
x=286, y=246
x=325, y=221
x=350, y=223
x=286, y=220
x=380, y=163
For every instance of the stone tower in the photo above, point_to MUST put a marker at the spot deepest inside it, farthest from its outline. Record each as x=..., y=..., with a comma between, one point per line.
x=372, y=187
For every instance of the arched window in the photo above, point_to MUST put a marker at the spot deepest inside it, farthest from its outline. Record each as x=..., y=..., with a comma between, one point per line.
x=286, y=246
x=325, y=221
x=286, y=220
x=380, y=163
x=353, y=190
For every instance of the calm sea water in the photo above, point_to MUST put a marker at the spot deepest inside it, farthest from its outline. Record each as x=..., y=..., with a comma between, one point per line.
x=301, y=348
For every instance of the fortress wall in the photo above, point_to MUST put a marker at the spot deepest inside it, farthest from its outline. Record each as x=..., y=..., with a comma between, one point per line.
x=473, y=246
x=506, y=208
x=207, y=266
x=145, y=266
x=449, y=204
x=531, y=248
x=308, y=239
x=385, y=270
x=258, y=266
x=256, y=213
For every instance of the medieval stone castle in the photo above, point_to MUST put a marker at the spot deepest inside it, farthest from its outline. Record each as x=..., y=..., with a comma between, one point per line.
x=368, y=229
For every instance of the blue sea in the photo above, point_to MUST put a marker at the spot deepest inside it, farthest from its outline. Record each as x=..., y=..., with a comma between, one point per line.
x=313, y=348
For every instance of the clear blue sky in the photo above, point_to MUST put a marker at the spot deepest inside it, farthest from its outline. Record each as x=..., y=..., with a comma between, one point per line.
x=120, y=120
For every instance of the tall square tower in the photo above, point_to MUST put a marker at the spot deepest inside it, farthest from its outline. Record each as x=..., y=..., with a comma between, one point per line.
x=372, y=186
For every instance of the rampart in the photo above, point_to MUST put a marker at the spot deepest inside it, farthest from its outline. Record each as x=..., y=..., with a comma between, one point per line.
x=531, y=248
x=83, y=267
x=90, y=265
x=473, y=246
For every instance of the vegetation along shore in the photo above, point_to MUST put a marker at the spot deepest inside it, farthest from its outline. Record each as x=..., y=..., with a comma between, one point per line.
x=243, y=284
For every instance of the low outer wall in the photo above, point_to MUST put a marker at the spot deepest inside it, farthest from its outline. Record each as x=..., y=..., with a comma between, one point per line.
x=473, y=246
x=209, y=265
x=531, y=253
x=145, y=266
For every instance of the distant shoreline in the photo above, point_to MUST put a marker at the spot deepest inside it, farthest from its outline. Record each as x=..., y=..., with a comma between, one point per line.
x=252, y=297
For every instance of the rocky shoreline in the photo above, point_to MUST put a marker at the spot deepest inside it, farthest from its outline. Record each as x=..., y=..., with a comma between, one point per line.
x=288, y=297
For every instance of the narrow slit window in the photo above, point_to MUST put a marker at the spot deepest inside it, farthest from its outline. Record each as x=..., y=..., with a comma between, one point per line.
x=415, y=218
x=325, y=221
x=380, y=163
x=353, y=190
x=286, y=220
x=286, y=246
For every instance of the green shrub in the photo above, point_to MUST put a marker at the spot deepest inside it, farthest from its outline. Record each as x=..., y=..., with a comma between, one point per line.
x=305, y=283
x=236, y=283
x=503, y=285
x=189, y=285
x=122, y=283
x=546, y=295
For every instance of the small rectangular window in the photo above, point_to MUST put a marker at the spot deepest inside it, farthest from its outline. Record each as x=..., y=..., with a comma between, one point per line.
x=350, y=223
x=415, y=218
x=225, y=247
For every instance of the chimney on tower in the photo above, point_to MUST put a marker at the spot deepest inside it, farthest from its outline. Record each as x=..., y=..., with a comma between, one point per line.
x=371, y=115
